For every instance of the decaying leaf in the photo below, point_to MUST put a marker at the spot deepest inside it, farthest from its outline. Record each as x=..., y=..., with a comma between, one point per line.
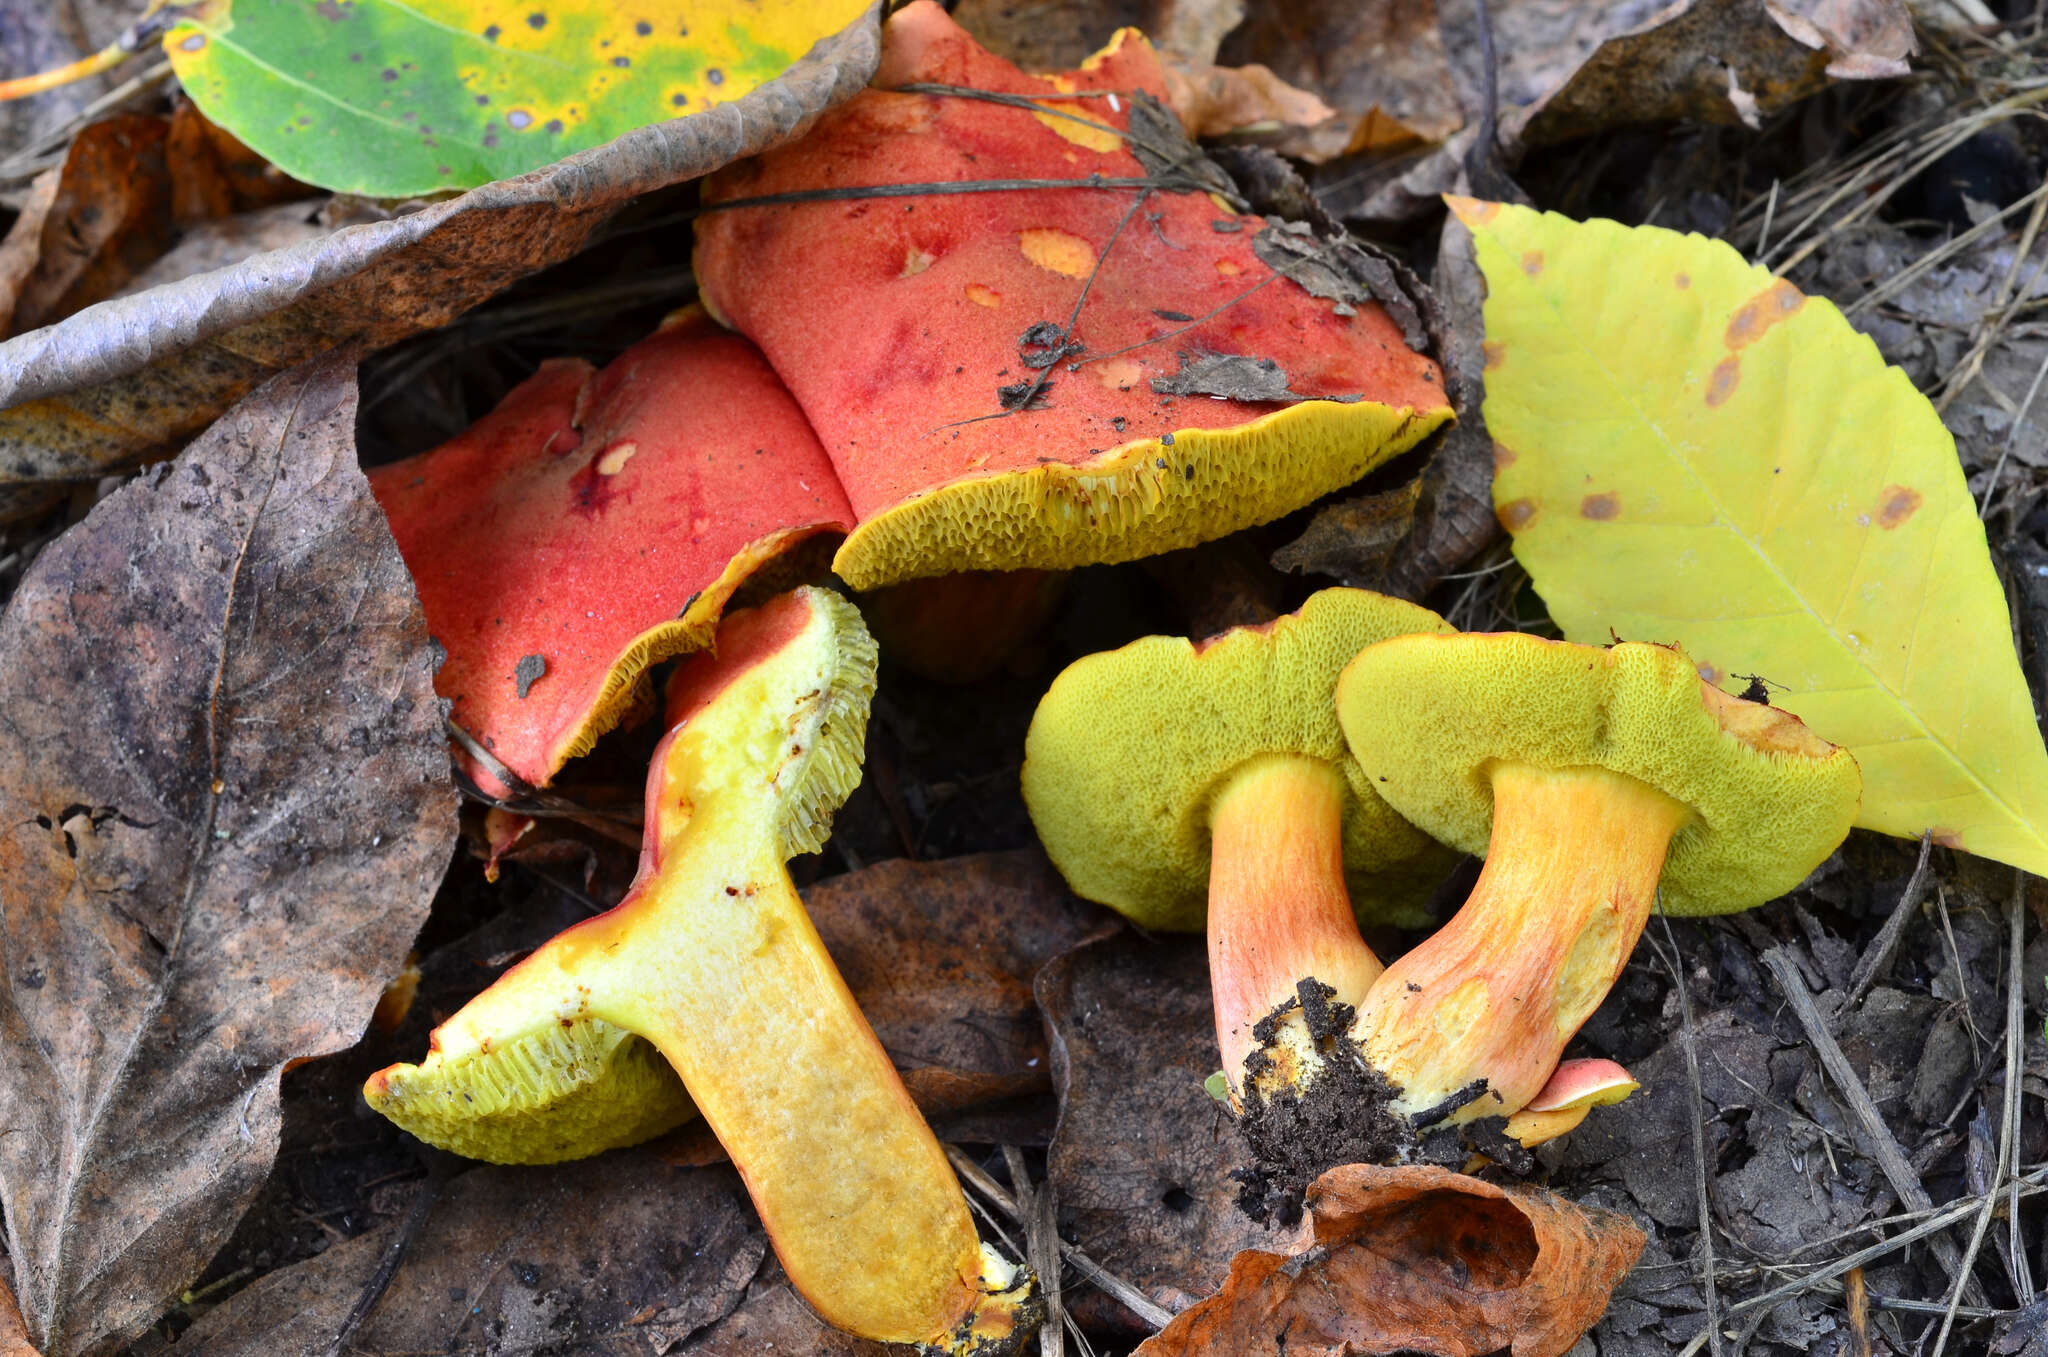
x=941, y=956
x=393, y=100
x=1057, y=35
x=110, y=217
x=1417, y=1259
x=129, y=379
x=1214, y=101
x=1731, y=468
x=1721, y=61
x=1404, y=540
x=23, y=244
x=1143, y=1156
x=774, y=1320
x=13, y=1331
x=613, y=1255
x=227, y=806
x=1230, y=376
x=1569, y=70
x=1380, y=63
x=1355, y=540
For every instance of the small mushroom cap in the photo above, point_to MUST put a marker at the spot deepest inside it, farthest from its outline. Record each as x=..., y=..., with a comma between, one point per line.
x=1129, y=748
x=1430, y=715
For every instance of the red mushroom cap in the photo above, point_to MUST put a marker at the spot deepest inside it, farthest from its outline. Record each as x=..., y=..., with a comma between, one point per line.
x=899, y=322
x=596, y=523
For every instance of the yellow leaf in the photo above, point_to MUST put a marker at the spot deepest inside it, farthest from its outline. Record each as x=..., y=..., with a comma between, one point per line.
x=1688, y=450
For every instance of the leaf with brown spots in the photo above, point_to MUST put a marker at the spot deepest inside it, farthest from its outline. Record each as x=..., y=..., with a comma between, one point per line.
x=1417, y=1260
x=390, y=100
x=227, y=805
x=1725, y=465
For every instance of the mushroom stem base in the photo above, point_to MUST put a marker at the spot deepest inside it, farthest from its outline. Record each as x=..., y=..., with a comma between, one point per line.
x=1570, y=879
x=1279, y=915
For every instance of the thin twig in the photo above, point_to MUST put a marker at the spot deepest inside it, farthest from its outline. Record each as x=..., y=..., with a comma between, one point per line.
x=936, y=190
x=1117, y=1289
x=2015, y=1082
x=1879, y=954
x=394, y=1252
x=1938, y=1221
x=1032, y=104
x=1880, y=1144
x=1202, y=319
x=2012, y=432
x=1044, y=374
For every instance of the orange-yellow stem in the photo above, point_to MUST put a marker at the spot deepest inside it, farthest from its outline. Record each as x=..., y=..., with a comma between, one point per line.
x=1278, y=909
x=1570, y=879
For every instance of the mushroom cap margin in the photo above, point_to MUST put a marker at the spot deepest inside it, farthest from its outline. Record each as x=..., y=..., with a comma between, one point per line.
x=1769, y=799
x=1129, y=747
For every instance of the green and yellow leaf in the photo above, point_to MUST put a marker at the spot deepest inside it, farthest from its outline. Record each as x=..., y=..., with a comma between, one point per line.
x=1689, y=450
x=391, y=98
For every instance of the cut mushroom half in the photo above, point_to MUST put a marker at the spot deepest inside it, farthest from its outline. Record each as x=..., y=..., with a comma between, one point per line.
x=598, y=522
x=710, y=968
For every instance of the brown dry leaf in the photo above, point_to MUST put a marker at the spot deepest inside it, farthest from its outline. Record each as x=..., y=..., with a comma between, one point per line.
x=1142, y=1158
x=1720, y=61
x=24, y=242
x=129, y=379
x=227, y=805
x=1355, y=540
x=1404, y=541
x=226, y=241
x=1214, y=101
x=941, y=956
x=613, y=1255
x=110, y=218
x=1570, y=69
x=1058, y=35
x=214, y=175
x=1417, y=1259
x=13, y=1333
x=773, y=1321
x=1380, y=63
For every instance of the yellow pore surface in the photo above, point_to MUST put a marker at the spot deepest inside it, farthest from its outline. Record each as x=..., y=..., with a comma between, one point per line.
x=1130, y=747
x=1431, y=717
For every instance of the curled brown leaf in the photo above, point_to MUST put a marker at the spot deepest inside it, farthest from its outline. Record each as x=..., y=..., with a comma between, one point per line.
x=1416, y=1259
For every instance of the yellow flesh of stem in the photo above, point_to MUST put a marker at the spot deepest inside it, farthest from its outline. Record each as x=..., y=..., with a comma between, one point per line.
x=1278, y=910
x=1570, y=879
x=714, y=960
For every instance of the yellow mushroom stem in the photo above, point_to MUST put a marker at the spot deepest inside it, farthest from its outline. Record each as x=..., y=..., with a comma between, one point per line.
x=714, y=960
x=1278, y=910
x=1495, y=994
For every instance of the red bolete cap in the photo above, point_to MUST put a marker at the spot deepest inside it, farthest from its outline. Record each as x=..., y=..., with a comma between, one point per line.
x=903, y=324
x=596, y=523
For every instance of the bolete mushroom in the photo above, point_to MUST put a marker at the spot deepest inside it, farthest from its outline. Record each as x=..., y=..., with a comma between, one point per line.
x=1592, y=780
x=1207, y=785
x=596, y=523
x=711, y=965
x=1041, y=377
